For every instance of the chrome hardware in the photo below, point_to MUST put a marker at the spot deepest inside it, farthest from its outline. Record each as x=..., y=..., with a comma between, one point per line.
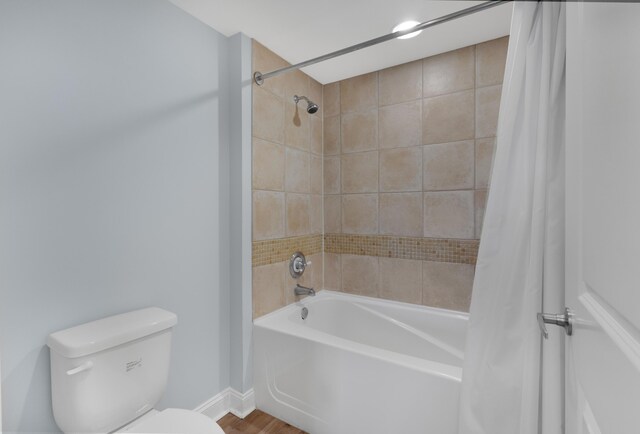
x=303, y=290
x=305, y=313
x=564, y=320
x=297, y=264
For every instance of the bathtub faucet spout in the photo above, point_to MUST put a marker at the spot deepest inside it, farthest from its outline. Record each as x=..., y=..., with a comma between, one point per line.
x=303, y=290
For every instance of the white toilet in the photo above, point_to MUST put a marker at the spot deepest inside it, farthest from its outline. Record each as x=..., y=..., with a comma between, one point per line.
x=107, y=375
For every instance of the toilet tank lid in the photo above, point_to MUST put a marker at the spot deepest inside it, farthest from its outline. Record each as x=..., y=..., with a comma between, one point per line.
x=110, y=332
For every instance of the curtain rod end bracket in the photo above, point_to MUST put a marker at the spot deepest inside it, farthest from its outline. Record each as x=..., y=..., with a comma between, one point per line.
x=257, y=77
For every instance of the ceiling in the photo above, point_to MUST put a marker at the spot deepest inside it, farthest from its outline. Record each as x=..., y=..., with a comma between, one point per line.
x=298, y=30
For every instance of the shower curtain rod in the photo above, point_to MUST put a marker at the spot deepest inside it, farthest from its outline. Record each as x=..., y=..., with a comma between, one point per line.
x=260, y=77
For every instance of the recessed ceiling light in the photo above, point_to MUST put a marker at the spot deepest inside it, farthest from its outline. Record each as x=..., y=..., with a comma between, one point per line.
x=406, y=25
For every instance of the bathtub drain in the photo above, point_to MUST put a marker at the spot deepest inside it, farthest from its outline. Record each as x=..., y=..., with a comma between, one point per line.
x=305, y=313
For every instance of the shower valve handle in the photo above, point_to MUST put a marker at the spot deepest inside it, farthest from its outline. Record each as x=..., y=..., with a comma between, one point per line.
x=564, y=320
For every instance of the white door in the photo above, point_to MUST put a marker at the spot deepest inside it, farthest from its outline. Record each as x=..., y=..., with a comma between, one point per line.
x=603, y=218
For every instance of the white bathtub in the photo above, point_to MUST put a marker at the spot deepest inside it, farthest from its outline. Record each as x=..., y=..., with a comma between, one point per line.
x=359, y=365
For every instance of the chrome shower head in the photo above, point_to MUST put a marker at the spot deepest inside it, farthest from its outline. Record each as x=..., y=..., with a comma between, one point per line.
x=312, y=107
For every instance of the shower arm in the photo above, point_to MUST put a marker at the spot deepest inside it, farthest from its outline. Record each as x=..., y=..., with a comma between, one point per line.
x=260, y=77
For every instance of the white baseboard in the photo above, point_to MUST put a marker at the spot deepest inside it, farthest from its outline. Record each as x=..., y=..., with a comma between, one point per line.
x=228, y=401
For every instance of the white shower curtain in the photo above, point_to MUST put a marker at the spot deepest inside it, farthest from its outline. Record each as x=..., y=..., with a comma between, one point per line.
x=520, y=265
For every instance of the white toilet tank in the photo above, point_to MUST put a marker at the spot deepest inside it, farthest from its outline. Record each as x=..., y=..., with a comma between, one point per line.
x=108, y=372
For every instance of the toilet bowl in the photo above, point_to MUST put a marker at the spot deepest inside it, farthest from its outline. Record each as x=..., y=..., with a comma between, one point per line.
x=108, y=375
x=173, y=421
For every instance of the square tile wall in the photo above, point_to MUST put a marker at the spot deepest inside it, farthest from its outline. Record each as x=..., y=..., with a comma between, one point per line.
x=287, y=182
x=407, y=153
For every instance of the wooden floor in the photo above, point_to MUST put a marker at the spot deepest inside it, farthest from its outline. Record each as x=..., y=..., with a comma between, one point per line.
x=257, y=422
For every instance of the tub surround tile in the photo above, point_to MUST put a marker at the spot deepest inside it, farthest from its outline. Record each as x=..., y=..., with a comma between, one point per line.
x=448, y=118
x=316, y=214
x=449, y=166
x=332, y=272
x=315, y=174
x=268, y=115
x=331, y=140
x=359, y=131
x=449, y=214
x=268, y=215
x=315, y=95
x=331, y=99
x=449, y=72
x=400, y=83
x=278, y=250
x=315, y=134
x=485, y=149
x=331, y=175
x=447, y=286
x=487, y=109
x=265, y=60
x=401, y=280
x=359, y=172
x=297, y=83
x=400, y=125
x=401, y=169
x=296, y=126
x=359, y=93
x=360, y=213
x=268, y=289
x=298, y=214
x=491, y=60
x=401, y=214
x=268, y=165
x=297, y=171
x=333, y=213
x=419, y=248
x=360, y=275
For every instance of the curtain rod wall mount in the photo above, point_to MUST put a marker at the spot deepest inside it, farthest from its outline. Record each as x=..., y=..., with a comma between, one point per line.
x=259, y=77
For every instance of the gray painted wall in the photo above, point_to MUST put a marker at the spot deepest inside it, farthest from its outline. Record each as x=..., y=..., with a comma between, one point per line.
x=112, y=138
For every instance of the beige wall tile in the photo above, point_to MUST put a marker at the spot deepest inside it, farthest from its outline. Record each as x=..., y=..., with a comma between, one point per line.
x=331, y=99
x=359, y=93
x=331, y=137
x=449, y=72
x=268, y=165
x=268, y=115
x=268, y=289
x=401, y=214
x=315, y=214
x=360, y=214
x=401, y=125
x=296, y=126
x=359, y=172
x=315, y=134
x=491, y=60
x=360, y=275
x=485, y=149
x=447, y=285
x=297, y=171
x=480, y=205
x=359, y=131
x=264, y=60
x=331, y=171
x=268, y=215
x=296, y=83
x=401, y=169
x=315, y=174
x=448, y=118
x=400, y=83
x=401, y=280
x=449, y=166
x=487, y=108
x=332, y=214
x=298, y=214
x=449, y=214
x=332, y=272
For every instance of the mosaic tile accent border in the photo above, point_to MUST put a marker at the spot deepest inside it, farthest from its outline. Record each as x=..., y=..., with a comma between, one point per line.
x=267, y=252
x=424, y=249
